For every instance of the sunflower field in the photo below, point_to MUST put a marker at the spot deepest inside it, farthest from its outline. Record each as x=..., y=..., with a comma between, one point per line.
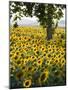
x=36, y=61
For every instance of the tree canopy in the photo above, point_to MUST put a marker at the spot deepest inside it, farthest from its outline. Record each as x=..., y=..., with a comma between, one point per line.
x=46, y=13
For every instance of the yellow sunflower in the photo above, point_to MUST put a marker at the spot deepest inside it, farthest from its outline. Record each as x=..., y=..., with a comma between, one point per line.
x=30, y=69
x=39, y=62
x=44, y=75
x=56, y=60
x=49, y=46
x=63, y=61
x=24, y=68
x=32, y=58
x=19, y=75
x=15, y=57
x=35, y=49
x=50, y=49
x=27, y=83
x=48, y=62
x=43, y=49
x=12, y=68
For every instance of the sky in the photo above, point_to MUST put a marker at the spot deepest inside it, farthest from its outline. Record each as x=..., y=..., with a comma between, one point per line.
x=28, y=21
x=62, y=20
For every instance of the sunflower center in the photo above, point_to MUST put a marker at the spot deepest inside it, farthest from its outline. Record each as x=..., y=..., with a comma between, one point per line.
x=27, y=83
x=42, y=77
x=39, y=61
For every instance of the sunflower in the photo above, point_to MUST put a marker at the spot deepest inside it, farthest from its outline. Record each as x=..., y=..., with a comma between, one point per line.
x=56, y=60
x=49, y=62
x=49, y=46
x=27, y=44
x=60, y=65
x=39, y=62
x=11, y=54
x=22, y=44
x=25, y=60
x=34, y=45
x=54, y=46
x=35, y=49
x=34, y=68
x=18, y=62
x=30, y=68
x=43, y=49
x=24, y=68
x=62, y=61
x=25, y=37
x=27, y=83
x=12, y=68
x=44, y=75
x=19, y=75
x=44, y=54
x=61, y=49
x=50, y=50
x=32, y=58
x=54, y=55
x=15, y=57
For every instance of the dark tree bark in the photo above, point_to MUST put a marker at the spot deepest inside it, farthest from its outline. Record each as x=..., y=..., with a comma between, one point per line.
x=49, y=34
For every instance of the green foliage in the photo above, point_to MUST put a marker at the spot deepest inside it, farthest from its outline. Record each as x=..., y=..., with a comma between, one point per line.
x=46, y=13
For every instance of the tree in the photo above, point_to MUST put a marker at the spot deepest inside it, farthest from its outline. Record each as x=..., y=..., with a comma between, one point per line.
x=48, y=14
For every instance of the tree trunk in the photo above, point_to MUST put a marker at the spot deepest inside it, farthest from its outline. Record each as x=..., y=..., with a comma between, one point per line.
x=49, y=33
